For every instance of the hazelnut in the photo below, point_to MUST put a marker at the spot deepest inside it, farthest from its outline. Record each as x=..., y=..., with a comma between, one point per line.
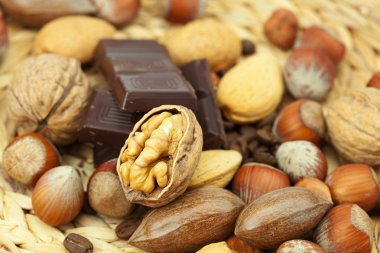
x=240, y=246
x=118, y=12
x=300, y=246
x=279, y=216
x=301, y=159
x=315, y=185
x=48, y=94
x=354, y=183
x=374, y=81
x=320, y=38
x=352, y=120
x=183, y=11
x=281, y=28
x=300, y=120
x=58, y=196
x=209, y=39
x=105, y=194
x=253, y=180
x=251, y=90
x=309, y=73
x=27, y=157
x=346, y=228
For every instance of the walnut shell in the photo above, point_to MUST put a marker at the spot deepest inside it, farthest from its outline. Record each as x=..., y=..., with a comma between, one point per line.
x=48, y=94
x=209, y=39
x=181, y=163
x=353, y=121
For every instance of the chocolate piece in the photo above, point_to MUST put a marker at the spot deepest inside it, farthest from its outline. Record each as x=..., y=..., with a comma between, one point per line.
x=103, y=153
x=198, y=73
x=104, y=123
x=142, y=75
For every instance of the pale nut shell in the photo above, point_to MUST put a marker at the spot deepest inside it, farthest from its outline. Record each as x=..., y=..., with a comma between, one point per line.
x=216, y=168
x=183, y=164
x=220, y=247
x=353, y=121
x=209, y=39
x=72, y=36
x=48, y=95
x=252, y=89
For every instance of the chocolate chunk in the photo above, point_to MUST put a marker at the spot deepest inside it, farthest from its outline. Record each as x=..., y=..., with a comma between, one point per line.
x=142, y=75
x=103, y=153
x=248, y=47
x=208, y=114
x=104, y=123
x=77, y=244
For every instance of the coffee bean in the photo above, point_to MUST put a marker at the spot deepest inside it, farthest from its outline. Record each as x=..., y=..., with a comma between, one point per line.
x=77, y=244
x=268, y=120
x=127, y=227
x=265, y=157
x=252, y=146
x=265, y=135
x=249, y=132
x=228, y=125
x=248, y=47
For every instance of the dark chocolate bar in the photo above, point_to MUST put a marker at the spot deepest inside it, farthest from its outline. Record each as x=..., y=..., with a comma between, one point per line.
x=103, y=153
x=104, y=123
x=142, y=75
x=198, y=73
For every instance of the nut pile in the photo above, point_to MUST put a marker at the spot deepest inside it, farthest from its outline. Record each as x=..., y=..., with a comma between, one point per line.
x=273, y=186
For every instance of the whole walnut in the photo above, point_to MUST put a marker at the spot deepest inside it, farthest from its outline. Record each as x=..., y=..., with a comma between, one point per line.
x=47, y=95
x=353, y=121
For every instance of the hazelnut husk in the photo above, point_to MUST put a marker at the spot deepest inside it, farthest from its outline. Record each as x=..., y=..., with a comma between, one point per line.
x=160, y=156
x=27, y=157
x=352, y=121
x=105, y=194
x=48, y=95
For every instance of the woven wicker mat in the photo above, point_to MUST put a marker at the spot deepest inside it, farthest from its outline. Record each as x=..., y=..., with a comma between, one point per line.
x=356, y=23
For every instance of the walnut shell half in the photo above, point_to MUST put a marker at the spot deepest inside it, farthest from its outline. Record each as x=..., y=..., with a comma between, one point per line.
x=47, y=95
x=160, y=156
x=353, y=121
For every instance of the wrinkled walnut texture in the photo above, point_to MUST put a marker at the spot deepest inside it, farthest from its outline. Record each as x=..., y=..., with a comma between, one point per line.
x=48, y=94
x=146, y=157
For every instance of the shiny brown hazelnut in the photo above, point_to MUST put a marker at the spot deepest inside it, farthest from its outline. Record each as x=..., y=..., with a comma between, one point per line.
x=183, y=11
x=315, y=185
x=317, y=37
x=240, y=246
x=105, y=193
x=253, y=180
x=309, y=73
x=300, y=120
x=27, y=157
x=354, y=183
x=374, y=81
x=118, y=12
x=58, y=196
x=346, y=228
x=281, y=28
x=301, y=159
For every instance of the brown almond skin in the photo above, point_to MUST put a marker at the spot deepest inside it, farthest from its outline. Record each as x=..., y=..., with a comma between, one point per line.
x=279, y=216
x=197, y=218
